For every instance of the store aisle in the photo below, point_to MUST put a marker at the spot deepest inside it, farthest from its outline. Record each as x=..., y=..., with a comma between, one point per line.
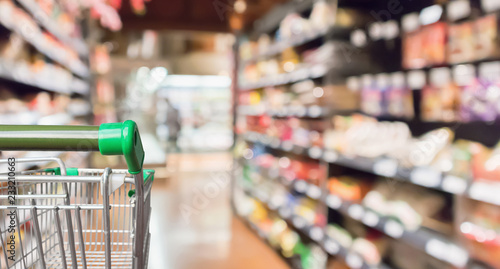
x=192, y=223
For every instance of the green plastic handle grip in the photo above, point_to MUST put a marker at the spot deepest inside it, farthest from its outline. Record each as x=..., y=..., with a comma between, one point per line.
x=109, y=139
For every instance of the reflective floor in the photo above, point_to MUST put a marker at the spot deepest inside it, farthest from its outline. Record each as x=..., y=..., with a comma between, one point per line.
x=192, y=224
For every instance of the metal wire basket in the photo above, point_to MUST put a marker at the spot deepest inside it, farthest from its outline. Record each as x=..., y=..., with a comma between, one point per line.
x=76, y=218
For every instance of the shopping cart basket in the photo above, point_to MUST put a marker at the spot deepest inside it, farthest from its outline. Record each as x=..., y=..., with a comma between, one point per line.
x=71, y=217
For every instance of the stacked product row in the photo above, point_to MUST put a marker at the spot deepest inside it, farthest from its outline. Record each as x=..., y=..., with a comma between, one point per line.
x=419, y=192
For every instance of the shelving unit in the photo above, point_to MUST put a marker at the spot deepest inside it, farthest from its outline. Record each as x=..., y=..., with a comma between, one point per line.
x=447, y=249
x=314, y=233
x=45, y=21
x=423, y=176
x=44, y=70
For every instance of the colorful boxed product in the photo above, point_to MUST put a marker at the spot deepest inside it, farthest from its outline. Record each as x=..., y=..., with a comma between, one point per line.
x=441, y=97
x=372, y=97
x=349, y=188
x=461, y=42
x=486, y=36
x=400, y=97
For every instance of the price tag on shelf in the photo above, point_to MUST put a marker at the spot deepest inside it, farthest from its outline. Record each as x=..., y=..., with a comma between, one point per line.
x=458, y=9
x=431, y=14
x=273, y=172
x=318, y=70
x=316, y=233
x=353, y=83
x=299, y=222
x=330, y=156
x=331, y=247
x=457, y=256
x=315, y=111
x=416, y=79
x=425, y=176
x=253, y=136
x=300, y=74
x=453, y=184
x=386, y=168
x=301, y=111
x=490, y=5
x=333, y=201
x=371, y=219
x=275, y=143
x=394, y=229
x=390, y=30
x=300, y=186
x=276, y=202
x=486, y=192
x=287, y=145
x=313, y=192
x=315, y=152
x=436, y=248
x=285, y=212
x=264, y=139
x=356, y=211
x=354, y=261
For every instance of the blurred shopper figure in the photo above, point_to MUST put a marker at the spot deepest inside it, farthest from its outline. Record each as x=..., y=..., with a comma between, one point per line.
x=174, y=126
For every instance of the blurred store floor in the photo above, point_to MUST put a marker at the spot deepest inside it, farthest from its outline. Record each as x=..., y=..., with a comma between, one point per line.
x=192, y=224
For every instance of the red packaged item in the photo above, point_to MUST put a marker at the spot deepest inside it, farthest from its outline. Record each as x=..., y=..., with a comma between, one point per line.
x=348, y=188
x=413, y=44
x=434, y=47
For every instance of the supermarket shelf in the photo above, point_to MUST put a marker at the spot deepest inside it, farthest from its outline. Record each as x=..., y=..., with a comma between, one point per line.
x=77, y=67
x=432, y=243
x=315, y=233
x=305, y=72
x=299, y=40
x=252, y=226
x=428, y=241
x=50, y=25
x=19, y=73
x=422, y=176
x=280, y=46
x=287, y=111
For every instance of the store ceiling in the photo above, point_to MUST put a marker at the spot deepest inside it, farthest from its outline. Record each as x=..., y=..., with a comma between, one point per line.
x=195, y=15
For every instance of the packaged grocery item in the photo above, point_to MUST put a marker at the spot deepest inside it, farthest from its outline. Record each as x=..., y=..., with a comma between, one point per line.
x=290, y=60
x=372, y=248
x=309, y=210
x=478, y=101
x=412, y=47
x=372, y=98
x=263, y=43
x=486, y=163
x=404, y=256
x=340, y=235
x=410, y=205
x=462, y=154
x=486, y=36
x=481, y=232
x=293, y=25
x=323, y=15
x=349, y=188
x=425, y=150
x=400, y=97
x=424, y=43
x=441, y=97
x=461, y=42
x=247, y=49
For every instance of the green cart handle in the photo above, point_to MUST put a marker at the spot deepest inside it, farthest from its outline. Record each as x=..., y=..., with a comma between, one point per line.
x=108, y=138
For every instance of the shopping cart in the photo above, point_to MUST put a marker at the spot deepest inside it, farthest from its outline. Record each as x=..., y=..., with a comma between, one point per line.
x=71, y=217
